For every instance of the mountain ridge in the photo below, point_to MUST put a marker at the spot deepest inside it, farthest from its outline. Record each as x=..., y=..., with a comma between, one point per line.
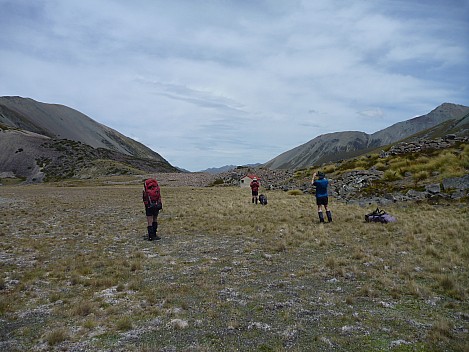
x=62, y=122
x=49, y=142
x=343, y=145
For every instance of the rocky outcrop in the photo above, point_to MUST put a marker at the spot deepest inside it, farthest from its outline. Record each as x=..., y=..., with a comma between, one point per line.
x=351, y=183
x=423, y=144
x=456, y=183
x=349, y=188
x=352, y=187
x=270, y=179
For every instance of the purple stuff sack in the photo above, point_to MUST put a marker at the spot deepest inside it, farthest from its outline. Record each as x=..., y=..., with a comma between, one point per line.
x=379, y=216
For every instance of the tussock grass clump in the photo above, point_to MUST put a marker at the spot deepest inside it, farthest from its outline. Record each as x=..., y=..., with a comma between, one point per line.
x=328, y=169
x=90, y=324
x=124, y=323
x=392, y=175
x=57, y=336
x=381, y=166
x=420, y=176
x=83, y=308
x=441, y=331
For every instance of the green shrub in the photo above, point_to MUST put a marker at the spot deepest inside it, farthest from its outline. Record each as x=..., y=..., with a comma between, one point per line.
x=218, y=181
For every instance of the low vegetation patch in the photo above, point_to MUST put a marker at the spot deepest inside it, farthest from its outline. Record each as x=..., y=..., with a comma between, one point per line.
x=295, y=192
x=227, y=275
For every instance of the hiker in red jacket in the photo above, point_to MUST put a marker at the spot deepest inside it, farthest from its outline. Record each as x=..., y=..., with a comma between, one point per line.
x=254, y=189
x=152, y=200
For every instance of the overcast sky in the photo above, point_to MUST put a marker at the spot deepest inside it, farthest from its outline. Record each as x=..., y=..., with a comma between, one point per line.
x=207, y=83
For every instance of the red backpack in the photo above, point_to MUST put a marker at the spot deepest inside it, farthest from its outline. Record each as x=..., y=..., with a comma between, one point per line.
x=151, y=191
x=254, y=185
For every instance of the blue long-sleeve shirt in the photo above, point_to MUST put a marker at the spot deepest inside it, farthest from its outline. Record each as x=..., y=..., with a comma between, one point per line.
x=321, y=187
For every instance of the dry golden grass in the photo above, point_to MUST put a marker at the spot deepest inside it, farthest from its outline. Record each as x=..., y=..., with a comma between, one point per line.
x=227, y=274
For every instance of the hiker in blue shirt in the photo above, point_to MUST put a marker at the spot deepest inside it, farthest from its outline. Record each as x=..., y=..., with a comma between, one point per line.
x=322, y=197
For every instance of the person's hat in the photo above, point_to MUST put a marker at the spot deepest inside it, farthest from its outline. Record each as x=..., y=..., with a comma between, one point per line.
x=321, y=174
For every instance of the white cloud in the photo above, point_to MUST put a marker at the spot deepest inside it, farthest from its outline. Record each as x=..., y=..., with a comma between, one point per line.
x=372, y=113
x=226, y=82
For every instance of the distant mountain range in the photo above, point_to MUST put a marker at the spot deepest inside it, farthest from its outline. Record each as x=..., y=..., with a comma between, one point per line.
x=40, y=140
x=343, y=145
x=227, y=168
x=219, y=170
x=47, y=142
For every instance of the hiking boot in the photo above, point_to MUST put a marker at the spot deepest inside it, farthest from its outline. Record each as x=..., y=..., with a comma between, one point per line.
x=321, y=216
x=150, y=233
x=329, y=216
x=154, y=235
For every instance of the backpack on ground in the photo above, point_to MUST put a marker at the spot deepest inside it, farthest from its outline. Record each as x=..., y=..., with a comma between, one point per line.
x=152, y=196
x=379, y=215
x=263, y=199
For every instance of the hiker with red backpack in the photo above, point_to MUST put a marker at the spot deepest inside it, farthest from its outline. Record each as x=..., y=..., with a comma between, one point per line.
x=322, y=198
x=254, y=189
x=153, y=205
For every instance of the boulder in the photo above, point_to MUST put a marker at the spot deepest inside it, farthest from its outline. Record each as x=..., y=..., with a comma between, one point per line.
x=458, y=183
x=413, y=194
x=433, y=188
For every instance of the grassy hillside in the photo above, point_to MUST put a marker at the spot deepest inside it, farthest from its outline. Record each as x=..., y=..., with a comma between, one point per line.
x=227, y=275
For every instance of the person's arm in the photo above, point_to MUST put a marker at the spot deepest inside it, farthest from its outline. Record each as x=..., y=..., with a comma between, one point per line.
x=314, y=176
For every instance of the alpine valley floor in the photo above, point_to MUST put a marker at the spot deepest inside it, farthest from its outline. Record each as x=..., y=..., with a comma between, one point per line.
x=78, y=275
